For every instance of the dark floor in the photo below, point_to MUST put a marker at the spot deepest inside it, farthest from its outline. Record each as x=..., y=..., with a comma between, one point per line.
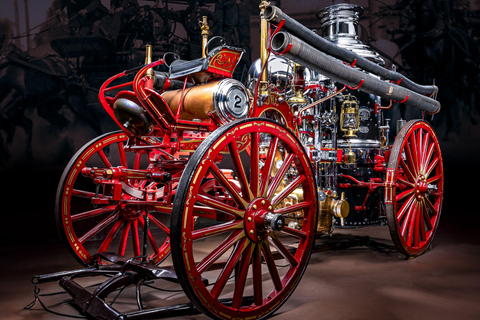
x=354, y=283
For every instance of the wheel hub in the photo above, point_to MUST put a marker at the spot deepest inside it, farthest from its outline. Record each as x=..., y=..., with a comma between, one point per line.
x=130, y=212
x=421, y=187
x=260, y=220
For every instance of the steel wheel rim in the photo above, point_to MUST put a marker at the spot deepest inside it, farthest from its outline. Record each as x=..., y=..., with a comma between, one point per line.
x=247, y=249
x=123, y=224
x=414, y=192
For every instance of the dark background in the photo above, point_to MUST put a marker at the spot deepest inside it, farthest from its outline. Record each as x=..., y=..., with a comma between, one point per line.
x=46, y=118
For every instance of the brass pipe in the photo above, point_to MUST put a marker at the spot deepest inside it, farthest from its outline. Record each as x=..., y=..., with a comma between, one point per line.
x=263, y=89
x=148, y=60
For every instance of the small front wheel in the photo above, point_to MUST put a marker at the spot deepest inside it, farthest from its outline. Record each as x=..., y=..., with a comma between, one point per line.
x=115, y=225
x=244, y=220
x=414, y=188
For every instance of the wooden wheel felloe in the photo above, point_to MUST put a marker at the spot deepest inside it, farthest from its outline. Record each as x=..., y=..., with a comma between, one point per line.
x=232, y=251
x=414, y=188
x=116, y=226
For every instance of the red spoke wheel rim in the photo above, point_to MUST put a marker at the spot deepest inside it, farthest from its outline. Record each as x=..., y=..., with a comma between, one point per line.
x=88, y=229
x=221, y=235
x=414, y=188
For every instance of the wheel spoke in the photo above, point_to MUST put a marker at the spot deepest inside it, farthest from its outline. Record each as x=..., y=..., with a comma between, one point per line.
x=227, y=270
x=123, y=239
x=93, y=213
x=425, y=151
x=267, y=168
x=221, y=206
x=420, y=150
x=284, y=251
x=223, y=180
x=404, y=194
x=404, y=208
x=279, y=176
x=288, y=190
x=104, y=158
x=135, y=239
x=257, y=275
x=414, y=149
x=216, y=229
x=431, y=207
x=293, y=208
x=422, y=217
x=407, y=170
x=233, y=238
x=434, y=178
x=99, y=227
x=83, y=194
x=241, y=276
x=295, y=233
x=254, y=165
x=410, y=160
x=122, y=155
x=137, y=161
x=416, y=225
x=240, y=171
x=159, y=224
x=426, y=214
x=272, y=269
x=111, y=234
x=406, y=222
x=431, y=166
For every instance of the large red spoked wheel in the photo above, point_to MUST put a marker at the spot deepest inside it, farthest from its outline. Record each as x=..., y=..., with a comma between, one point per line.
x=115, y=225
x=414, y=188
x=231, y=231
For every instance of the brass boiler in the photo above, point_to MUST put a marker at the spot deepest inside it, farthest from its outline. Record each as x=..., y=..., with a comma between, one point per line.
x=197, y=101
x=227, y=98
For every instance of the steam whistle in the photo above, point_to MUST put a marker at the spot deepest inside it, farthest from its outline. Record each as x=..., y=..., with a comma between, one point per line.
x=204, y=27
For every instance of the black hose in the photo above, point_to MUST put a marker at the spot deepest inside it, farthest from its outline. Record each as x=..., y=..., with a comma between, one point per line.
x=295, y=49
x=275, y=15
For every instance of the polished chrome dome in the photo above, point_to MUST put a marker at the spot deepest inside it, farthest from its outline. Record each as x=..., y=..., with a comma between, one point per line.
x=339, y=25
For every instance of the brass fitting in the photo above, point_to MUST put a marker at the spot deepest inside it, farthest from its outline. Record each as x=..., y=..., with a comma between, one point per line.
x=329, y=208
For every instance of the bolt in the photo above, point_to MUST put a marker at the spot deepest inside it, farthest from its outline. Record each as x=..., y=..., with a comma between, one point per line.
x=251, y=232
x=249, y=219
x=263, y=202
x=254, y=207
x=270, y=207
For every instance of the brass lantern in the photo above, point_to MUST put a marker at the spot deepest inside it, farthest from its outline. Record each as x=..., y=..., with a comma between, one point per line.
x=349, y=117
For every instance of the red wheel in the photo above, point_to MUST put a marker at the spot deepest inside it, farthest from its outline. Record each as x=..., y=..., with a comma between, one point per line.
x=414, y=188
x=115, y=225
x=224, y=228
